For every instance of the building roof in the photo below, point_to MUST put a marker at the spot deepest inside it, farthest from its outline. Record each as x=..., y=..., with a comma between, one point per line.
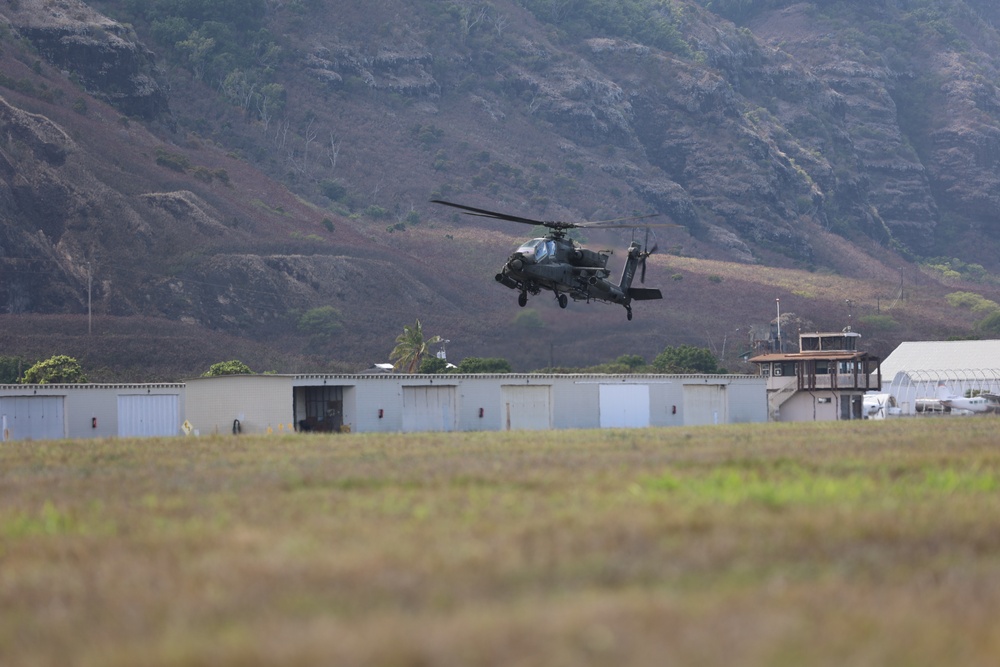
x=951, y=357
x=828, y=355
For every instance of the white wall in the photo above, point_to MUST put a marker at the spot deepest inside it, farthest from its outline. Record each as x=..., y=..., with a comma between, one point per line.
x=266, y=403
x=91, y=410
x=260, y=403
x=575, y=400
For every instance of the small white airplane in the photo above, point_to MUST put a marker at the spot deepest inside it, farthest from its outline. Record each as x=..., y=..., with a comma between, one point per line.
x=983, y=403
x=879, y=406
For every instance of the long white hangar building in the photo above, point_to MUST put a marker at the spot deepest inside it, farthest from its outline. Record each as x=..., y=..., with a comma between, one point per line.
x=377, y=403
x=406, y=403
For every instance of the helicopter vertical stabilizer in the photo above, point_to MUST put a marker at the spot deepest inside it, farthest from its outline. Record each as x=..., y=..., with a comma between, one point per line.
x=635, y=257
x=631, y=263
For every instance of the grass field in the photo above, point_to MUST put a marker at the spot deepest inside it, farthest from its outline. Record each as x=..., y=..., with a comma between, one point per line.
x=873, y=543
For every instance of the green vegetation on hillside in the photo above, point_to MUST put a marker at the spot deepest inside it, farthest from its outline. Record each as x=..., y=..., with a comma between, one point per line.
x=739, y=11
x=952, y=268
x=12, y=368
x=990, y=324
x=653, y=22
x=483, y=365
x=687, y=359
x=223, y=42
x=322, y=323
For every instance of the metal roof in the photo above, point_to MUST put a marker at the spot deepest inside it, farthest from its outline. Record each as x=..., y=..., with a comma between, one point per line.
x=944, y=357
x=91, y=385
x=828, y=355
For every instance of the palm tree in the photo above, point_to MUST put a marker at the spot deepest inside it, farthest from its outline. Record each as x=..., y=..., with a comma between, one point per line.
x=411, y=348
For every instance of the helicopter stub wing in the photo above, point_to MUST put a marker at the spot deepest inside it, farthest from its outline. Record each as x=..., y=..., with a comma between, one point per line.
x=587, y=271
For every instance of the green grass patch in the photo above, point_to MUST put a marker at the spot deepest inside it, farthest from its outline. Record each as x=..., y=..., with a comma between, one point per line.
x=805, y=544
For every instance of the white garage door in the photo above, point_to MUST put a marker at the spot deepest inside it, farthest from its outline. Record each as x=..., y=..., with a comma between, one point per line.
x=146, y=415
x=624, y=406
x=705, y=404
x=526, y=407
x=32, y=418
x=429, y=409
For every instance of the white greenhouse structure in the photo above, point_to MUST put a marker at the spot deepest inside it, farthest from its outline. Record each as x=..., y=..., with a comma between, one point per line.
x=964, y=367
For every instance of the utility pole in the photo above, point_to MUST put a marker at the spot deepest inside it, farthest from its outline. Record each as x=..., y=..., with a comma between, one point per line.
x=90, y=289
x=777, y=303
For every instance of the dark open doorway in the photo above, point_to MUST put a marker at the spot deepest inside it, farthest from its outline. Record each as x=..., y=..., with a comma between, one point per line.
x=320, y=409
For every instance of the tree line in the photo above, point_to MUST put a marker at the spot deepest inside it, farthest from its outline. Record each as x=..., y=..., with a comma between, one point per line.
x=412, y=354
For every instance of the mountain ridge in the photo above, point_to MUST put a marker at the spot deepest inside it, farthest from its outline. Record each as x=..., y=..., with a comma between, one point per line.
x=301, y=177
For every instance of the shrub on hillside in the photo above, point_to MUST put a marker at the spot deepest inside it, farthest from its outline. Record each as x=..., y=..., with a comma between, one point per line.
x=974, y=302
x=60, y=369
x=483, y=365
x=433, y=365
x=878, y=322
x=687, y=359
x=323, y=322
x=233, y=367
x=174, y=161
x=990, y=325
x=11, y=369
x=529, y=318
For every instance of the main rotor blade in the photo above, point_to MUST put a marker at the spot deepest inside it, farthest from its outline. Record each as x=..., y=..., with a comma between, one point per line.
x=482, y=212
x=624, y=223
x=616, y=223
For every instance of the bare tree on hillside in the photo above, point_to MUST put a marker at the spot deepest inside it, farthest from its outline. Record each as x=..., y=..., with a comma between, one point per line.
x=309, y=136
x=333, y=151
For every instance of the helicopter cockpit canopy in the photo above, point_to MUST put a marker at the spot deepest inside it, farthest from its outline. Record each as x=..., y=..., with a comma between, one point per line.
x=537, y=249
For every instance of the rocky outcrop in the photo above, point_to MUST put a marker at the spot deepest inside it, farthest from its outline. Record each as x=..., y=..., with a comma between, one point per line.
x=916, y=144
x=392, y=69
x=103, y=54
x=756, y=138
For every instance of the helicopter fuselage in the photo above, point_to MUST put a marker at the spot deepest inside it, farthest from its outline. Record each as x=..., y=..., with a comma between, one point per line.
x=559, y=265
x=554, y=262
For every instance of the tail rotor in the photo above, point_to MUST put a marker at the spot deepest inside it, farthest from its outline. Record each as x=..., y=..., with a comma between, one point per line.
x=642, y=257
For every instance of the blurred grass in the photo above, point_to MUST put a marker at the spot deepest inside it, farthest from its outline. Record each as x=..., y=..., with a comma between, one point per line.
x=784, y=544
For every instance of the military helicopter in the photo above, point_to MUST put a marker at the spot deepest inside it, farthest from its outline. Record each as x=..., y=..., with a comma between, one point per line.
x=554, y=262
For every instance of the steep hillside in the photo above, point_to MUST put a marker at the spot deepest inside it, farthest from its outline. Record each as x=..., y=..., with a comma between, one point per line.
x=234, y=165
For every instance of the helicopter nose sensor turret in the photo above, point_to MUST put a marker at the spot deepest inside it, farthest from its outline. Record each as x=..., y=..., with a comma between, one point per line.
x=506, y=280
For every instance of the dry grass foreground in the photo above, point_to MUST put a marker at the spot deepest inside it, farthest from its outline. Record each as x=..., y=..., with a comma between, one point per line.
x=823, y=544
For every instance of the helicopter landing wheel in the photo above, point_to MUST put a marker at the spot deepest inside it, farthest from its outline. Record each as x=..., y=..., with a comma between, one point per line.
x=562, y=300
x=522, y=299
x=628, y=314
